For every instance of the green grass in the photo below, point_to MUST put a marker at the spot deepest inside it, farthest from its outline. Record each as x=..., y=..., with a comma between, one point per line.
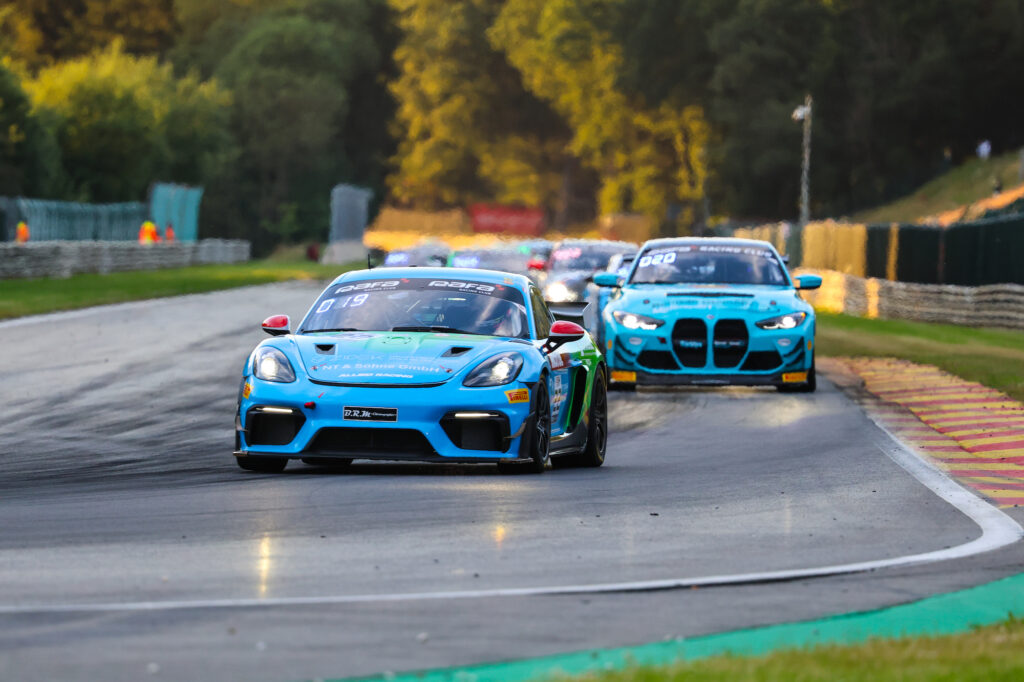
x=20, y=297
x=989, y=654
x=962, y=185
x=993, y=357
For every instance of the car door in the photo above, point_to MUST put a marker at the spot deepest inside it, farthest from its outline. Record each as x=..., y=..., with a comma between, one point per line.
x=560, y=364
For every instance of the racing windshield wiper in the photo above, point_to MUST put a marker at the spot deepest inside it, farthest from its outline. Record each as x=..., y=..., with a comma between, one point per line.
x=337, y=329
x=434, y=328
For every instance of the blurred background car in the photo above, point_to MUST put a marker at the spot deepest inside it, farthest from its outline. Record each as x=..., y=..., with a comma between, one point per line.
x=571, y=268
x=500, y=258
x=425, y=254
x=598, y=297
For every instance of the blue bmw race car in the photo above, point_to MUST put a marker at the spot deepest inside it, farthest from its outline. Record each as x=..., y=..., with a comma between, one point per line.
x=709, y=312
x=427, y=364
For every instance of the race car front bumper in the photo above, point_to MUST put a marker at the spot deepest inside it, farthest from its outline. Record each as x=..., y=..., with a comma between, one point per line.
x=743, y=356
x=433, y=423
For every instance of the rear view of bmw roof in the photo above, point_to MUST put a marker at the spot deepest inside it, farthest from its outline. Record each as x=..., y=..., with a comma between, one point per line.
x=705, y=241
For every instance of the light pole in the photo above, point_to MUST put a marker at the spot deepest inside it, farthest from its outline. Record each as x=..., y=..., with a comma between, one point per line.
x=804, y=113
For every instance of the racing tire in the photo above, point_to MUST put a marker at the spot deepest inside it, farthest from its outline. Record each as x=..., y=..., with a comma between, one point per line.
x=593, y=453
x=539, y=433
x=327, y=462
x=269, y=465
x=810, y=386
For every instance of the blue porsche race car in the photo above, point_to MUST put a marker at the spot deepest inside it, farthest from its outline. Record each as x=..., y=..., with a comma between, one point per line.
x=425, y=364
x=709, y=312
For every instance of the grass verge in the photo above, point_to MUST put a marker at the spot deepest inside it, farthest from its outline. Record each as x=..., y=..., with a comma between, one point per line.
x=20, y=297
x=993, y=357
x=987, y=654
x=960, y=186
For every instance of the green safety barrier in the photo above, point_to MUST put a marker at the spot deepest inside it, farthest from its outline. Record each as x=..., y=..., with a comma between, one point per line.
x=176, y=205
x=69, y=221
x=877, y=251
x=169, y=204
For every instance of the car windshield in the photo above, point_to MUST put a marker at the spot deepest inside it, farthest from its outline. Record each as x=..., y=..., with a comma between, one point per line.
x=566, y=258
x=624, y=266
x=709, y=264
x=420, y=304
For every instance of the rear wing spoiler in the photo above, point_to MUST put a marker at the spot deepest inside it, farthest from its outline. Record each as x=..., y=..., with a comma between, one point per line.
x=568, y=311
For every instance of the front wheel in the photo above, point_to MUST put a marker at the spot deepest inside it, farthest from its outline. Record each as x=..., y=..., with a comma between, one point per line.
x=270, y=465
x=539, y=434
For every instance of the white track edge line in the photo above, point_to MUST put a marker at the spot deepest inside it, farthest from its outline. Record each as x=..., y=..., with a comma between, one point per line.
x=998, y=530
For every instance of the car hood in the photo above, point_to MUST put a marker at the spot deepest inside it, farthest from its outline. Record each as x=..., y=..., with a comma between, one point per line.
x=677, y=299
x=393, y=358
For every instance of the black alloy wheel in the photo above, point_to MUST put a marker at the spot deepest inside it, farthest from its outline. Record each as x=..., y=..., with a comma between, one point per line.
x=269, y=465
x=539, y=433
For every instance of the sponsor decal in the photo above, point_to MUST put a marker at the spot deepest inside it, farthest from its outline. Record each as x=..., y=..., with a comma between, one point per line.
x=475, y=287
x=794, y=377
x=747, y=251
x=518, y=395
x=367, y=286
x=370, y=414
x=560, y=392
x=560, y=361
x=620, y=375
x=364, y=366
x=247, y=389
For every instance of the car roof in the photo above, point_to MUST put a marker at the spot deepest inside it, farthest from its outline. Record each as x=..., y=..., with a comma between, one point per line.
x=520, y=282
x=600, y=243
x=724, y=241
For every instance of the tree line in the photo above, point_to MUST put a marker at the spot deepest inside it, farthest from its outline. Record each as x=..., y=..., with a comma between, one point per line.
x=679, y=110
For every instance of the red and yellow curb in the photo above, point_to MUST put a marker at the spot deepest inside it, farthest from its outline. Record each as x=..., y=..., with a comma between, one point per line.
x=974, y=433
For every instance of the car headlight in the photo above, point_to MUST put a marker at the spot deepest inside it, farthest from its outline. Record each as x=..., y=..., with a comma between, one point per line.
x=789, y=321
x=634, y=321
x=557, y=292
x=497, y=371
x=270, y=364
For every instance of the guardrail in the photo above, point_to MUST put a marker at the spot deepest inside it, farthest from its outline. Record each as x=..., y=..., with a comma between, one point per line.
x=992, y=305
x=63, y=259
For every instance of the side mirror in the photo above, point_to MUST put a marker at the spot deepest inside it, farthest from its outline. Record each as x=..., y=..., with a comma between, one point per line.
x=808, y=282
x=536, y=264
x=607, y=279
x=277, y=325
x=562, y=332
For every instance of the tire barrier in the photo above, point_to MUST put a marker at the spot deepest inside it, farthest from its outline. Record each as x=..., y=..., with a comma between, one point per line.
x=66, y=258
x=993, y=305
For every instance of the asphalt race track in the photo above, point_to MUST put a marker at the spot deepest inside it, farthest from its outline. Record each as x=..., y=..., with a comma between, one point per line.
x=132, y=546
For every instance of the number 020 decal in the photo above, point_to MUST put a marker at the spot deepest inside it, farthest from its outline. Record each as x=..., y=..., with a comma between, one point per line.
x=659, y=259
